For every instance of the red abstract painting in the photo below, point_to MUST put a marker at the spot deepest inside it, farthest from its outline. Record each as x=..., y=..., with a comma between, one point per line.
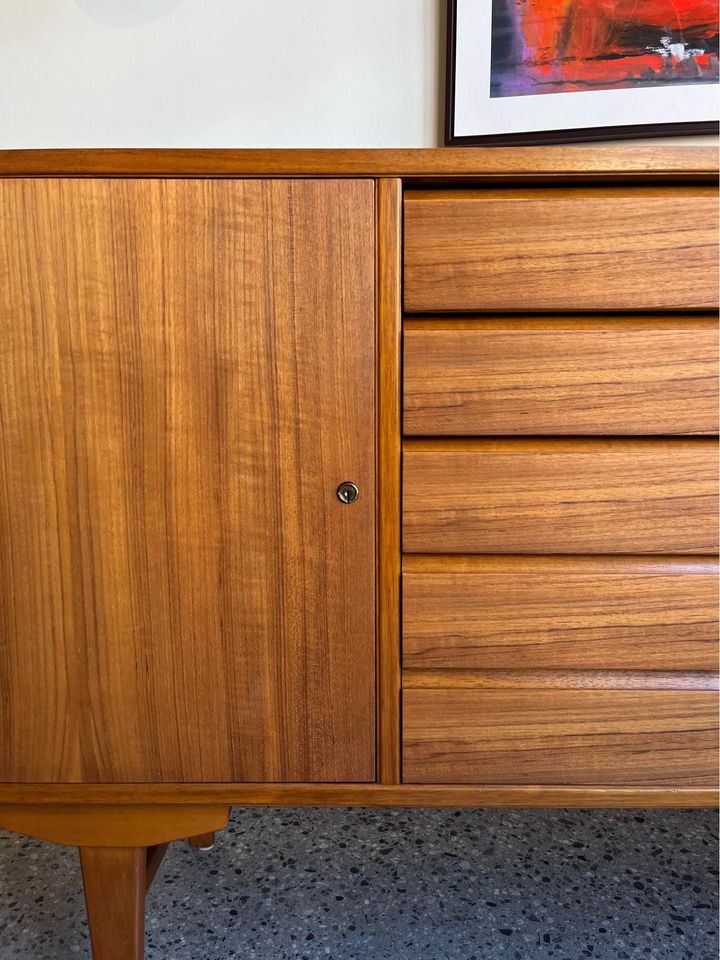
x=561, y=46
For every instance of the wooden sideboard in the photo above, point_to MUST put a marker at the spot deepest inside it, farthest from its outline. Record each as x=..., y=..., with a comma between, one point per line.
x=351, y=477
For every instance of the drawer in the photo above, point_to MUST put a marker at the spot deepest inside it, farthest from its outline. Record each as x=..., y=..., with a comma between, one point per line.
x=569, y=737
x=560, y=376
x=560, y=496
x=602, y=248
x=584, y=613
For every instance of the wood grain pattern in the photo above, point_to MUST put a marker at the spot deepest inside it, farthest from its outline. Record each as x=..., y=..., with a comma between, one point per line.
x=115, y=881
x=92, y=795
x=184, y=597
x=67, y=819
x=560, y=679
x=649, y=737
x=389, y=273
x=536, y=613
x=610, y=375
x=505, y=163
x=646, y=248
x=560, y=496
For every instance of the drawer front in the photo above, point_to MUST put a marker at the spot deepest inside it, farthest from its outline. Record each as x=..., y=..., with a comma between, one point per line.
x=599, y=737
x=560, y=613
x=591, y=376
x=560, y=496
x=603, y=248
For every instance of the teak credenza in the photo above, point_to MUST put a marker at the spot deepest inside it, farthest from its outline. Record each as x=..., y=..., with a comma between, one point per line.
x=351, y=477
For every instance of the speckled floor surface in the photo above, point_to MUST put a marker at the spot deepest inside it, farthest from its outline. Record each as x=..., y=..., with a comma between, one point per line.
x=412, y=885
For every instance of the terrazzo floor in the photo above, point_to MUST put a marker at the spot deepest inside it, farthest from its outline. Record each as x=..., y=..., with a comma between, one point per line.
x=400, y=885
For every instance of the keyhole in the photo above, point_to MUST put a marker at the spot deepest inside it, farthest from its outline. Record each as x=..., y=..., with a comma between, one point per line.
x=347, y=492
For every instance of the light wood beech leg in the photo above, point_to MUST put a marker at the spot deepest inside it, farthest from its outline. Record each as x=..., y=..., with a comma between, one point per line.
x=115, y=880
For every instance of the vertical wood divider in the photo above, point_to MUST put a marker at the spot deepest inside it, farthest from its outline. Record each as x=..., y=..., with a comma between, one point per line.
x=389, y=324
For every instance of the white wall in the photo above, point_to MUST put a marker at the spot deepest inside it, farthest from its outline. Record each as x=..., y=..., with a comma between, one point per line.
x=221, y=73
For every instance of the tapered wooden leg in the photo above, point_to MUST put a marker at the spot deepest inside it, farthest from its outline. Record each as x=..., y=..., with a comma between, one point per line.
x=115, y=880
x=202, y=841
x=121, y=849
x=155, y=856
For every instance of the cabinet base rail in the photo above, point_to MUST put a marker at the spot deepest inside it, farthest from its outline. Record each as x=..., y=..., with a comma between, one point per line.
x=189, y=795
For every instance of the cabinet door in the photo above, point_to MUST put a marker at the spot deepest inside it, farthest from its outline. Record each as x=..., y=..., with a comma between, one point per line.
x=187, y=372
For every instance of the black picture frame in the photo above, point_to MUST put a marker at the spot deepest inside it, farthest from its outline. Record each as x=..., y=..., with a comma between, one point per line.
x=534, y=138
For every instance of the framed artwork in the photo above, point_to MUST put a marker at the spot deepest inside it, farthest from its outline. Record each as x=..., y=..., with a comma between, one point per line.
x=555, y=71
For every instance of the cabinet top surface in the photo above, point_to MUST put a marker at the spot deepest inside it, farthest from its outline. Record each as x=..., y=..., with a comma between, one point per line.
x=477, y=163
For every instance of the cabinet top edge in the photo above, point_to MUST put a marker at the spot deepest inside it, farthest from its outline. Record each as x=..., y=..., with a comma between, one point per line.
x=469, y=163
